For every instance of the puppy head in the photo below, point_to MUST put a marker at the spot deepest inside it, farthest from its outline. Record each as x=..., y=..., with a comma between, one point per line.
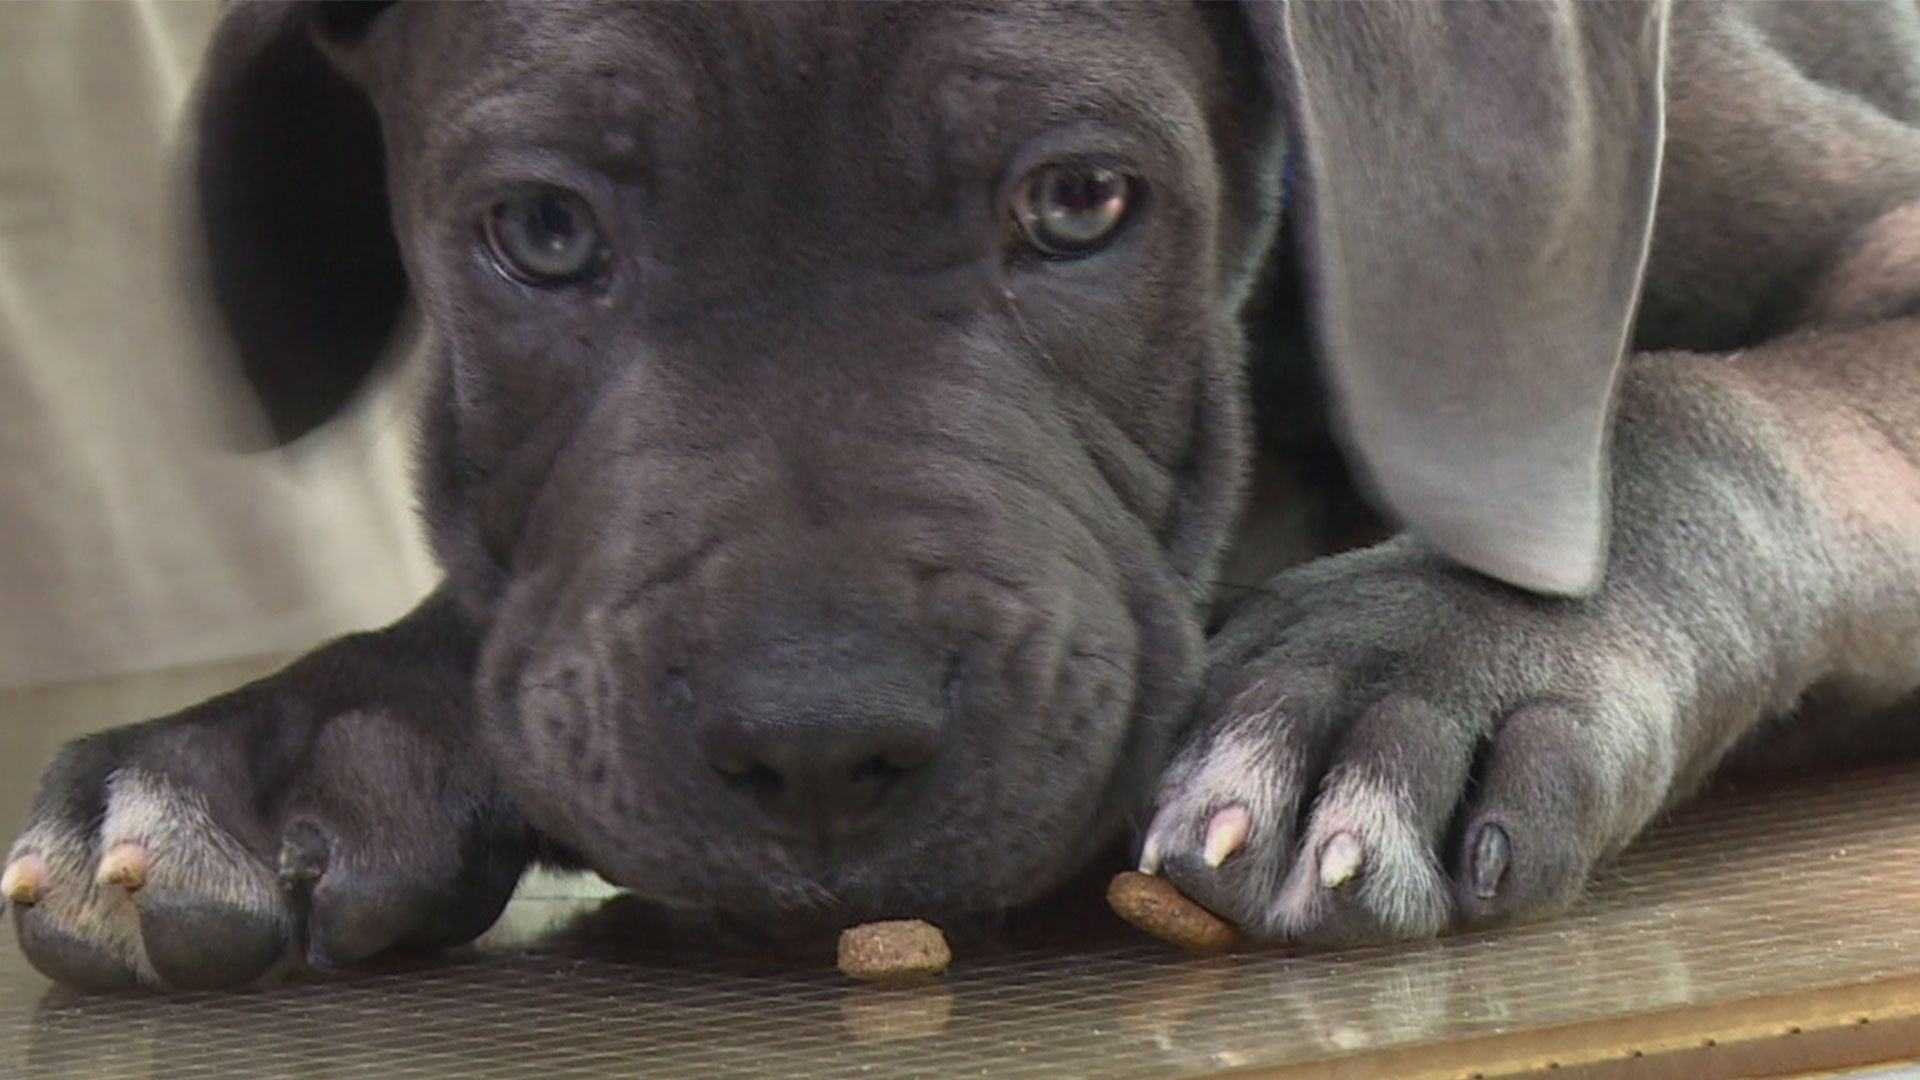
x=833, y=411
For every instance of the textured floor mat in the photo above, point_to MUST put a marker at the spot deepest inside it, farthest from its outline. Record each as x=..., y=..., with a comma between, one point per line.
x=1753, y=894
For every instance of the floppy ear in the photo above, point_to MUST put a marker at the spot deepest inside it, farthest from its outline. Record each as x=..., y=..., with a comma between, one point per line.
x=288, y=178
x=1476, y=186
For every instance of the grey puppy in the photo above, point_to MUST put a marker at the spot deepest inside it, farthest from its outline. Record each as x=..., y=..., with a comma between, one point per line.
x=841, y=422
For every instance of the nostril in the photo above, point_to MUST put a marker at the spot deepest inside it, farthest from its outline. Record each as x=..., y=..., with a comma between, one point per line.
x=745, y=772
x=758, y=781
x=729, y=765
x=763, y=780
x=877, y=772
x=867, y=784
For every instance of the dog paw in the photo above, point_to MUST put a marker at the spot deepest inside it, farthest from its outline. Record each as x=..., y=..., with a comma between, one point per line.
x=158, y=892
x=1390, y=746
x=227, y=845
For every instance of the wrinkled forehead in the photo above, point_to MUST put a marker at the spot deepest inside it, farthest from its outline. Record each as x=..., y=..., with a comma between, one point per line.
x=651, y=76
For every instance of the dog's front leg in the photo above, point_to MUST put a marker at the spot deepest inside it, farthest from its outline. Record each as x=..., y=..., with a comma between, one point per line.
x=335, y=810
x=1390, y=745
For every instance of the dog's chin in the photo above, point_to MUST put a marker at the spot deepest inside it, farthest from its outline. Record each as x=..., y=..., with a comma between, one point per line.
x=795, y=896
x=807, y=920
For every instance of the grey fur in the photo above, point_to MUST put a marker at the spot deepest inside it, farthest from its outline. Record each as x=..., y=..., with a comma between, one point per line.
x=823, y=467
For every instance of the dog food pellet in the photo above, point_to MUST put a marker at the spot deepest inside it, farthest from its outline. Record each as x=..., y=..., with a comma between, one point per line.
x=900, y=950
x=1154, y=905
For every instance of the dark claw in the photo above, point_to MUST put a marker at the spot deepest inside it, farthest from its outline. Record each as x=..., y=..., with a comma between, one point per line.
x=1492, y=850
x=68, y=960
x=304, y=852
x=195, y=945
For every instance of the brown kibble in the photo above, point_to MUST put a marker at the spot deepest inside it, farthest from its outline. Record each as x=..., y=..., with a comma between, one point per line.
x=900, y=950
x=1154, y=905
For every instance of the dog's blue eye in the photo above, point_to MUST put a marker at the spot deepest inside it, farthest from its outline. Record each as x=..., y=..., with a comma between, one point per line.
x=545, y=238
x=1065, y=210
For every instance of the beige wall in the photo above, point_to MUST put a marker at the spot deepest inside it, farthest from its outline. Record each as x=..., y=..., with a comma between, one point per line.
x=129, y=538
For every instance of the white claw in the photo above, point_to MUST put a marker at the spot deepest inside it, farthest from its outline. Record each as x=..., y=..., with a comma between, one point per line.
x=24, y=881
x=124, y=865
x=1339, y=860
x=1150, y=855
x=1226, y=834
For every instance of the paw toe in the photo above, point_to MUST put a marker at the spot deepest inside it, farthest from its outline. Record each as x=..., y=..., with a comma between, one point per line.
x=198, y=944
x=1366, y=872
x=1225, y=853
x=1236, y=889
x=70, y=929
x=70, y=958
x=1215, y=857
x=1561, y=787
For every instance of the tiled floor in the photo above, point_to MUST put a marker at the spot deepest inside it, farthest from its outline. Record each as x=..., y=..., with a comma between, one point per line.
x=1751, y=894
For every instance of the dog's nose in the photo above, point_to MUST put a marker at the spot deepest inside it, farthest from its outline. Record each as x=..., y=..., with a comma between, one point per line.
x=823, y=750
